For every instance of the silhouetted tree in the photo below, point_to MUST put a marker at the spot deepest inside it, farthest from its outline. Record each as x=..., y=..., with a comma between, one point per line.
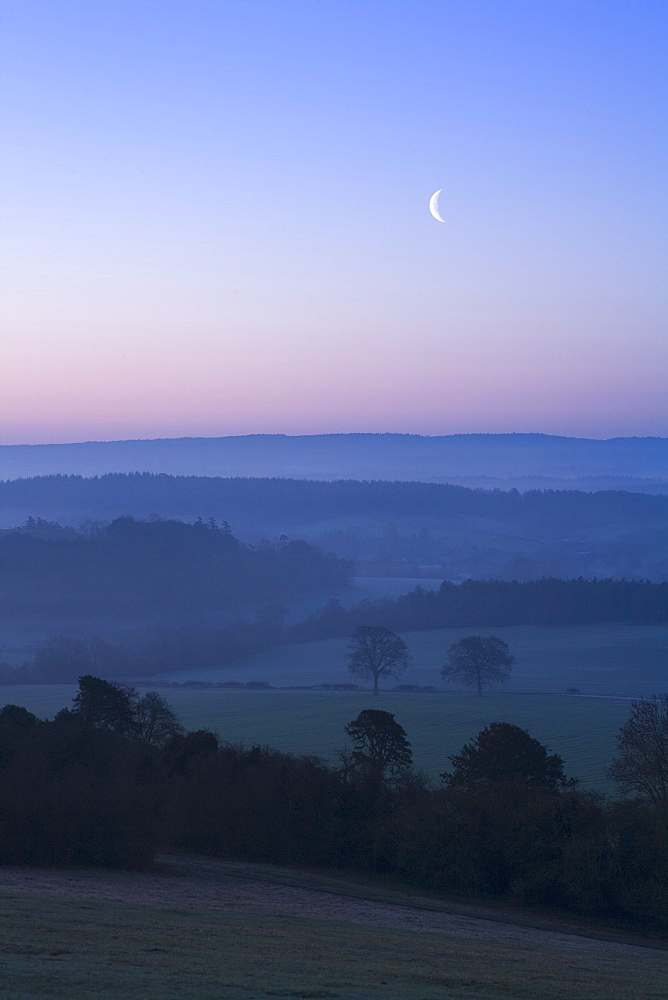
x=503, y=752
x=16, y=724
x=478, y=660
x=18, y=717
x=642, y=765
x=638, y=881
x=380, y=745
x=182, y=749
x=376, y=651
x=104, y=705
x=155, y=722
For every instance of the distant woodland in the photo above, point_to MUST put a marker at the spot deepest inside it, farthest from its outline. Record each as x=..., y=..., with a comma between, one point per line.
x=175, y=581
x=408, y=529
x=140, y=567
x=488, y=603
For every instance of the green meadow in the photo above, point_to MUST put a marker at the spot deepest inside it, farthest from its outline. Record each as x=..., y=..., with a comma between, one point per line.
x=582, y=730
x=609, y=664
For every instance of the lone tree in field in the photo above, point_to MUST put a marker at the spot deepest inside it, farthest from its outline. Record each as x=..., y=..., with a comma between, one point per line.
x=642, y=765
x=503, y=753
x=376, y=651
x=478, y=660
x=380, y=746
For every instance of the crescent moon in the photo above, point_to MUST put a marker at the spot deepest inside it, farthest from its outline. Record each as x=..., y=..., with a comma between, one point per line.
x=433, y=206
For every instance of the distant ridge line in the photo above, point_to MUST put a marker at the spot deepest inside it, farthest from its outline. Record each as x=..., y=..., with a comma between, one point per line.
x=338, y=435
x=505, y=461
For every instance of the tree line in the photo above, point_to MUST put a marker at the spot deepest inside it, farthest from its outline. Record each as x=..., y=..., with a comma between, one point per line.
x=472, y=604
x=390, y=528
x=115, y=777
x=147, y=651
x=489, y=603
x=261, y=501
x=136, y=567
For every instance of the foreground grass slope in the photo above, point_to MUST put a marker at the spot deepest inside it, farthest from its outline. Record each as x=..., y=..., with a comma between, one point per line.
x=195, y=931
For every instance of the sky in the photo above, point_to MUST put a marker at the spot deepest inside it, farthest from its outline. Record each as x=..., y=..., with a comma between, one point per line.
x=215, y=218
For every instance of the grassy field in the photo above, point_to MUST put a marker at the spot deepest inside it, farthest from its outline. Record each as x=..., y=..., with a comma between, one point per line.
x=617, y=659
x=582, y=730
x=200, y=934
x=608, y=663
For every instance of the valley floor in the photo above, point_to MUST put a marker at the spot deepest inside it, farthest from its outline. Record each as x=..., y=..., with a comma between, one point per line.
x=199, y=928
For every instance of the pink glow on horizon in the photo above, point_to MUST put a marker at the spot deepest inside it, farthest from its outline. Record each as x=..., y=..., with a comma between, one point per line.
x=376, y=399
x=230, y=233
x=499, y=386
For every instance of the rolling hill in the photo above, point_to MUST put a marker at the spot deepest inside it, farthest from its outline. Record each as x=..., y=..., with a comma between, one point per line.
x=505, y=461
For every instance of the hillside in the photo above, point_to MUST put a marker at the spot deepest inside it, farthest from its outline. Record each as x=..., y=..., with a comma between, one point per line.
x=154, y=567
x=261, y=930
x=406, y=529
x=522, y=461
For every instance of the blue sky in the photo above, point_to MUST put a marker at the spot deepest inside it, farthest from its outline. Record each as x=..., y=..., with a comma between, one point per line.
x=215, y=218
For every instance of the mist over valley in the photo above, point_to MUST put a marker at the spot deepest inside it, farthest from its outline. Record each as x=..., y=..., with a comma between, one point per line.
x=389, y=529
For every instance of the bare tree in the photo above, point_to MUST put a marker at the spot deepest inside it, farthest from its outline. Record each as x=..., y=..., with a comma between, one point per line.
x=156, y=722
x=642, y=765
x=479, y=660
x=376, y=651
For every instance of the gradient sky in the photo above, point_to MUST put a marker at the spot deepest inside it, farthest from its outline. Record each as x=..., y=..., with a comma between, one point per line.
x=215, y=217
